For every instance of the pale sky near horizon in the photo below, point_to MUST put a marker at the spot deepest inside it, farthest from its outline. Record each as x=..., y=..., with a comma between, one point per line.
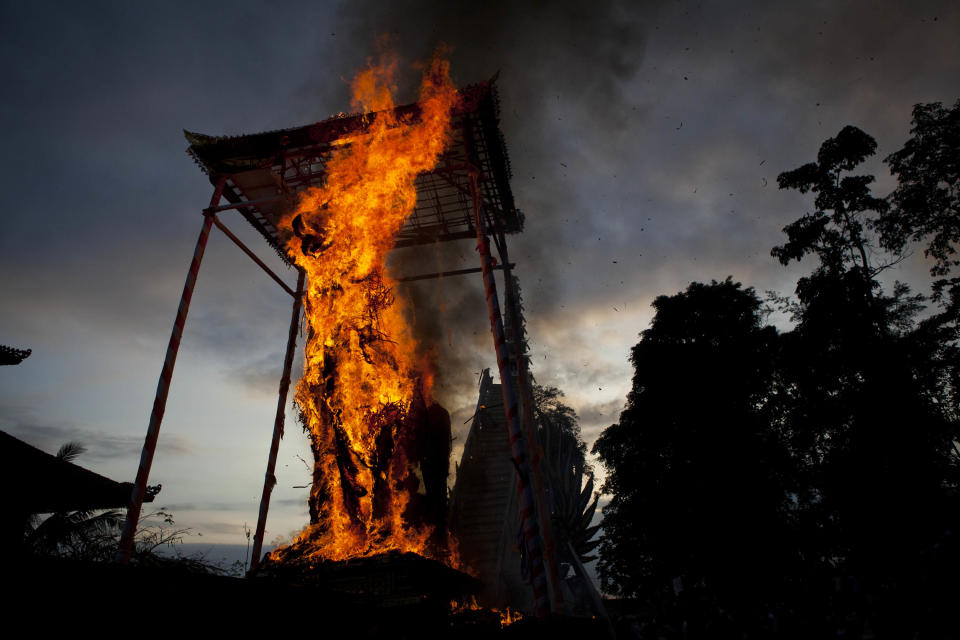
x=645, y=141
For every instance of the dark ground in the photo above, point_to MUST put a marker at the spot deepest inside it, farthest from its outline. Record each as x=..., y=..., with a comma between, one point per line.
x=64, y=595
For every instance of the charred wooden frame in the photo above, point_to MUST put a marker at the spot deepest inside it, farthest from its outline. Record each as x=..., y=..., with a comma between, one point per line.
x=466, y=196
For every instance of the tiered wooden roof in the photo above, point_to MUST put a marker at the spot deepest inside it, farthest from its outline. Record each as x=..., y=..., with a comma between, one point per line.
x=269, y=169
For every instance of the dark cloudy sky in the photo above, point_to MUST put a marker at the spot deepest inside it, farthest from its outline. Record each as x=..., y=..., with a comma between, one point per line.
x=645, y=140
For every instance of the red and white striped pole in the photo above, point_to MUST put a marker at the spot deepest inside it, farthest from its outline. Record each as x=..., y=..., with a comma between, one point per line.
x=270, y=478
x=163, y=386
x=518, y=447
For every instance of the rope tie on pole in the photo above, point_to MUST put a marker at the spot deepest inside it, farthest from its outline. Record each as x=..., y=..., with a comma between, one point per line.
x=527, y=507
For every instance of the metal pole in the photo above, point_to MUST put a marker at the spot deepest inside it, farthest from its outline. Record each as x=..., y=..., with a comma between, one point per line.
x=163, y=386
x=528, y=509
x=526, y=394
x=270, y=479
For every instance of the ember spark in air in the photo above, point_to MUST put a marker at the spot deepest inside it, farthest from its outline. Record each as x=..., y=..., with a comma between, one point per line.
x=364, y=396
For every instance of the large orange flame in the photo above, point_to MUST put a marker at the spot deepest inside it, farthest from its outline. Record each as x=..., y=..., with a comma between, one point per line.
x=362, y=376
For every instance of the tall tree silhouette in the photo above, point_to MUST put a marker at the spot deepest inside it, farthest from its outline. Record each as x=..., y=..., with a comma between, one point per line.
x=699, y=480
x=815, y=473
x=866, y=387
x=926, y=203
x=845, y=209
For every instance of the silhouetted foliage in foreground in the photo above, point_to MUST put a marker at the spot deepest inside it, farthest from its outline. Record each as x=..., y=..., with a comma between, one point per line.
x=93, y=535
x=805, y=483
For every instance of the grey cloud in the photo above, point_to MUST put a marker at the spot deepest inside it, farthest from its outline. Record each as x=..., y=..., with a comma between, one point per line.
x=100, y=446
x=300, y=503
x=97, y=99
x=179, y=507
x=563, y=68
x=261, y=373
x=203, y=527
x=538, y=45
x=600, y=413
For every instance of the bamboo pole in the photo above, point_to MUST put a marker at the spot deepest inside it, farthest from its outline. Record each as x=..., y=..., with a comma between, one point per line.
x=125, y=546
x=270, y=479
x=528, y=508
x=527, y=402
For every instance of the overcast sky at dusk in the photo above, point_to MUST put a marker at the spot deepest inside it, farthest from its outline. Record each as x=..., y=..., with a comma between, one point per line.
x=645, y=141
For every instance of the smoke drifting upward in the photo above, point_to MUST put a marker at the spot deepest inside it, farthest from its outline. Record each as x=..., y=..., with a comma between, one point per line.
x=564, y=69
x=540, y=48
x=448, y=318
x=574, y=55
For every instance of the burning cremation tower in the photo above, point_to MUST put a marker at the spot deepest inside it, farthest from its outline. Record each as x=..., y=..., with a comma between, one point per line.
x=466, y=196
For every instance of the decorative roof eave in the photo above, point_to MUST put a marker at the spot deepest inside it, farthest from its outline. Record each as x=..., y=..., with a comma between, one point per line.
x=10, y=355
x=34, y=481
x=252, y=162
x=228, y=154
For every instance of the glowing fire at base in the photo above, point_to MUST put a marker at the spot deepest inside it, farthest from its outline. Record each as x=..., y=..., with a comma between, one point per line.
x=507, y=616
x=365, y=393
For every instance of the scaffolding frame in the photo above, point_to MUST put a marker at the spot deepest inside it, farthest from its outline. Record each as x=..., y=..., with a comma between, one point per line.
x=467, y=195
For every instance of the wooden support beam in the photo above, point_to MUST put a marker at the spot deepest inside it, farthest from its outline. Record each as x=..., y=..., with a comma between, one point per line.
x=444, y=274
x=252, y=255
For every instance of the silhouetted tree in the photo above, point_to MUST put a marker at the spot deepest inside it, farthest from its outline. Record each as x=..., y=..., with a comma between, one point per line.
x=551, y=411
x=814, y=474
x=867, y=391
x=926, y=202
x=700, y=482
x=569, y=490
x=837, y=231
